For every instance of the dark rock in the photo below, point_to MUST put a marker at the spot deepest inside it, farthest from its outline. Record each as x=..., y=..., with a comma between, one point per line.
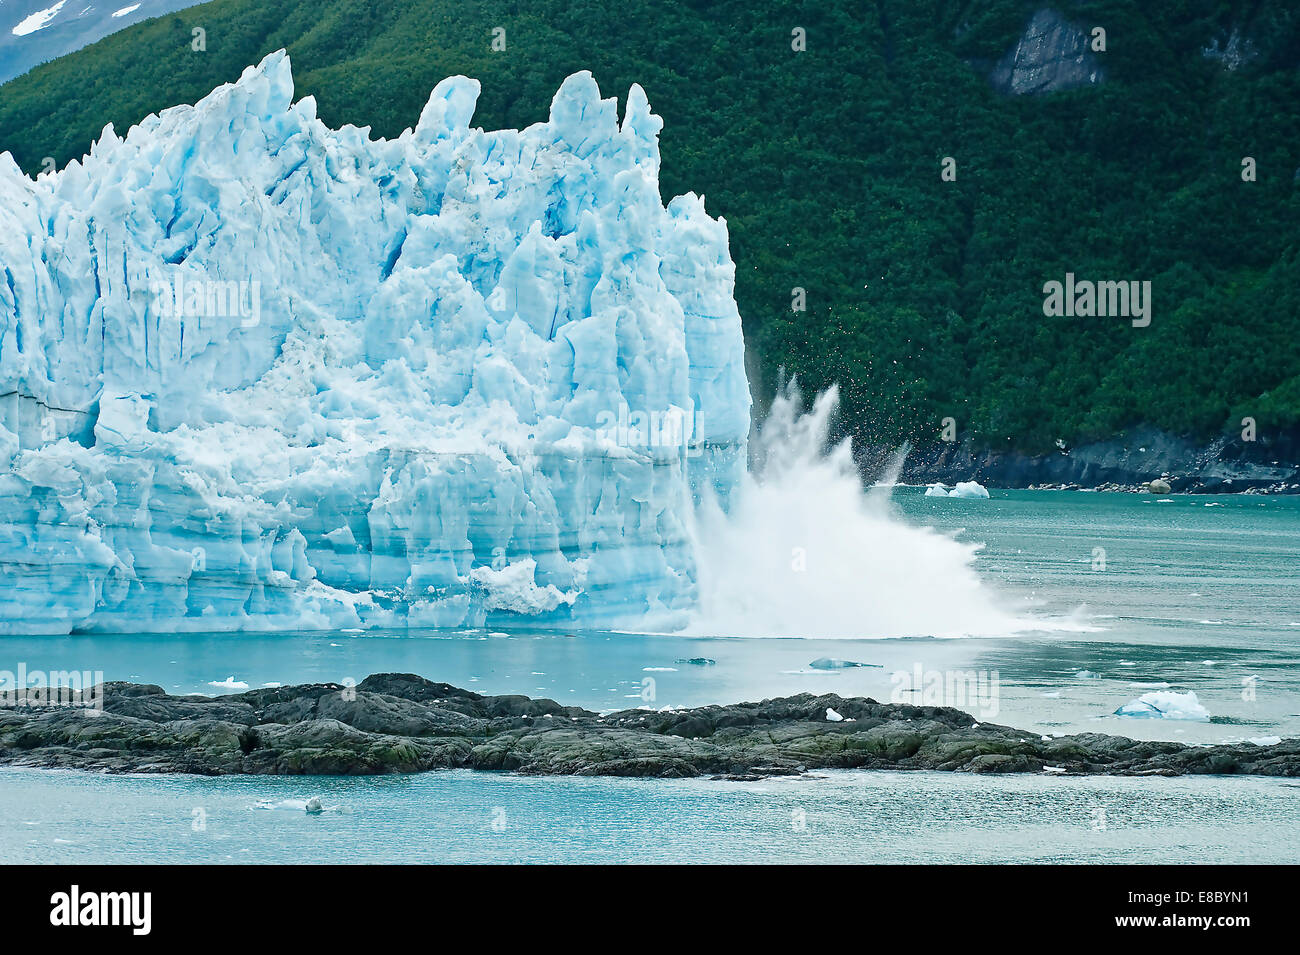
x=1232, y=51
x=401, y=723
x=1053, y=54
x=1224, y=465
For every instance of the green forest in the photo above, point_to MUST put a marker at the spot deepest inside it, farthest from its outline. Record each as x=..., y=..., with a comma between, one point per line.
x=924, y=296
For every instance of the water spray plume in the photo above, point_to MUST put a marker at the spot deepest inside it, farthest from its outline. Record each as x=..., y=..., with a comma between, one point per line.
x=805, y=551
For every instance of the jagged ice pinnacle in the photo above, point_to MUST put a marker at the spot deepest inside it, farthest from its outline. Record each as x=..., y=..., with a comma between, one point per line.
x=256, y=373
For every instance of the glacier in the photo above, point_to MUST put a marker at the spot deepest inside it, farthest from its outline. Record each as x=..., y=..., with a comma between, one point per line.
x=260, y=374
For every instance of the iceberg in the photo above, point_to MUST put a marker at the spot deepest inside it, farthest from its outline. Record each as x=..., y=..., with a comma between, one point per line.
x=967, y=489
x=830, y=663
x=1165, y=706
x=257, y=373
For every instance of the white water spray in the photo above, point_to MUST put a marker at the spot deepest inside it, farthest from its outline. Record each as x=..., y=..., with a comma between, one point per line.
x=806, y=552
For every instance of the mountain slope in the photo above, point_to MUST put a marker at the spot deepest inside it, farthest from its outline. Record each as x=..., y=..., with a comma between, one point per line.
x=924, y=297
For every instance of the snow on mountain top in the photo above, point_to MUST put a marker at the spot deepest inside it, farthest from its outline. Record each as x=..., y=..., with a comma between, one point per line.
x=38, y=20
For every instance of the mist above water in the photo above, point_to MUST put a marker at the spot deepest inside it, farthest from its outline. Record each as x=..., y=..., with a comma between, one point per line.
x=806, y=551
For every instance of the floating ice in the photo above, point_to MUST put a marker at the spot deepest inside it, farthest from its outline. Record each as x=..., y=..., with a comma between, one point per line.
x=968, y=489
x=261, y=374
x=312, y=805
x=1165, y=706
x=830, y=663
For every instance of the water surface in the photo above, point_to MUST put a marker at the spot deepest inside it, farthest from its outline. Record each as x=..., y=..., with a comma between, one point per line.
x=1200, y=593
x=463, y=816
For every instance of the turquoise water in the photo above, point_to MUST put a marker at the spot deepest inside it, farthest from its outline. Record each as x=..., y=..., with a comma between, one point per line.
x=1202, y=598
x=461, y=816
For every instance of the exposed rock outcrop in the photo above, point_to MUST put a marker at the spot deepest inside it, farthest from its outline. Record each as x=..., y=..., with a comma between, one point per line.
x=1052, y=54
x=402, y=723
x=1233, y=51
x=1222, y=466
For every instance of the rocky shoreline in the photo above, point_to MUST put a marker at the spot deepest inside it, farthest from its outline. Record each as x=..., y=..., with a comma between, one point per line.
x=1270, y=465
x=402, y=723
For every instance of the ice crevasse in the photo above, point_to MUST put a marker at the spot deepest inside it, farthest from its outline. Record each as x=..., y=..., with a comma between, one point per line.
x=256, y=373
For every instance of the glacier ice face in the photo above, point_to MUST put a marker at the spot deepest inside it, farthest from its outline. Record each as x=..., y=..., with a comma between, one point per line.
x=256, y=373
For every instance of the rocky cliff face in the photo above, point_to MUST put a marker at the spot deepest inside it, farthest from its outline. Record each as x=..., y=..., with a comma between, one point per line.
x=1052, y=54
x=1271, y=464
x=1233, y=51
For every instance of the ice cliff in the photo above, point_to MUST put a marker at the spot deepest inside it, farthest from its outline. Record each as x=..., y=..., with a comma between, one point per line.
x=256, y=373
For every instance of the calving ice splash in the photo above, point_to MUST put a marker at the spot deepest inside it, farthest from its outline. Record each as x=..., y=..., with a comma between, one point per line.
x=260, y=374
x=801, y=551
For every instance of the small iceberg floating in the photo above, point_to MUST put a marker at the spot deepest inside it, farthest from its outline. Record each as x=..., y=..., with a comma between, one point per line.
x=829, y=663
x=312, y=806
x=1165, y=706
x=965, y=489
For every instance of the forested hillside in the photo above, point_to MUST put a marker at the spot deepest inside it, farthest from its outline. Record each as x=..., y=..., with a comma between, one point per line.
x=924, y=294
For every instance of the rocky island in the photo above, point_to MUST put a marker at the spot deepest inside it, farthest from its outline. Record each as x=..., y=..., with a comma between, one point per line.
x=403, y=723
